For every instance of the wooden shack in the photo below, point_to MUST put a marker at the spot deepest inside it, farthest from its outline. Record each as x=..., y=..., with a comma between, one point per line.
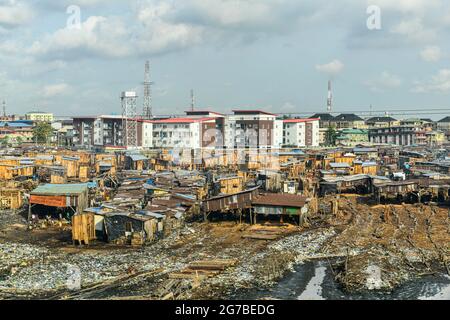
x=84, y=173
x=229, y=185
x=360, y=167
x=71, y=164
x=396, y=189
x=70, y=196
x=83, y=228
x=11, y=199
x=281, y=205
x=136, y=162
x=237, y=201
x=105, y=163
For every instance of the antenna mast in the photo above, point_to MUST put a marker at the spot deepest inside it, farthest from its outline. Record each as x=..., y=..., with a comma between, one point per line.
x=330, y=98
x=192, y=100
x=148, y=112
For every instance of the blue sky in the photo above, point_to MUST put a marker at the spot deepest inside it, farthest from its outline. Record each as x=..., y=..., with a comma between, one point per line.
x=275, y=55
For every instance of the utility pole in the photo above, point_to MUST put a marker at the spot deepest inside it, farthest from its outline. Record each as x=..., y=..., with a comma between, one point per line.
x=4, y=109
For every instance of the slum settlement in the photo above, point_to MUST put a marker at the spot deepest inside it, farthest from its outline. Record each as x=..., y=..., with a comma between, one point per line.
x=198, y=229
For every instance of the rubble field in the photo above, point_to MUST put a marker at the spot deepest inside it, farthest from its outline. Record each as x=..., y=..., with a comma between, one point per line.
x=372, y=248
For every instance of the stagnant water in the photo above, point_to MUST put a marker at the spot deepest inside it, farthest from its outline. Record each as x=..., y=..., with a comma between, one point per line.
x=314, y=281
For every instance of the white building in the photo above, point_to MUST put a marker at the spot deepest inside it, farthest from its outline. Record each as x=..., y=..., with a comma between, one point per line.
x=145, y=134
x=250, y=129
x=184, y=133
x=301, y=133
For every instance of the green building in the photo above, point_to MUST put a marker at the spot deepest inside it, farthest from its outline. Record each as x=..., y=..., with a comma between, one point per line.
x=352, y=137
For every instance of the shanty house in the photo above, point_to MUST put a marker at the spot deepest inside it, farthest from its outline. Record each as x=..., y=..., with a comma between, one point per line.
x=67, y=196
x=123, y=228
x=360, y=167
x=136, y=162
x=281, y=205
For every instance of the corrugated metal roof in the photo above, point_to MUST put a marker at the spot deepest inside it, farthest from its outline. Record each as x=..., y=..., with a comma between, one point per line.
x=60, y=189
x=44, y=157
x=137, y=157
x=339, y=165
x=280, y=200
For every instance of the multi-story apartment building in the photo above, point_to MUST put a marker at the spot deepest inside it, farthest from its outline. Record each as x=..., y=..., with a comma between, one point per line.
x=39, y=116
x=399, y=135
x=382, y=122
x=250, y=129
x=184, y=133
x=348, y=121
x=199, y=130
x=100, y=131
x=301, y=133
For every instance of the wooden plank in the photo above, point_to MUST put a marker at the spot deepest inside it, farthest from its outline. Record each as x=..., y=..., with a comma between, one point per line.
x=256, y=236
x=51, y=201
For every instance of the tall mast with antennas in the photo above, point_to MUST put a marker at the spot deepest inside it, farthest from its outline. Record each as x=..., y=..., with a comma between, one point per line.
x=147, y=112
x=192, y=100
x=330, y=98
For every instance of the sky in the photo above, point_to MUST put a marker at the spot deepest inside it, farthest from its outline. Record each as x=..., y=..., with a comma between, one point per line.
x=275, y=55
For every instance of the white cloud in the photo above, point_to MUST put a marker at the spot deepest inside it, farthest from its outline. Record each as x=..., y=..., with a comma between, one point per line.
x=384, y=81
x=332, y=68
x=414, y=30
x=96, y=36
x=406, y=5
x=53, y=90
x=431, y=54
x=14, y=13
x=439, y=83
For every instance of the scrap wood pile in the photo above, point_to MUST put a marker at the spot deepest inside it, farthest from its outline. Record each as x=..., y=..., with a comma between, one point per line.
x=388, y=243
x=262, y=234
x=181, y=282
x=93, y=291
x=203, y=269
x=267, y=232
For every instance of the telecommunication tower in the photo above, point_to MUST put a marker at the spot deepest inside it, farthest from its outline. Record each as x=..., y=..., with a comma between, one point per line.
x=192, y=100
x=129, y=118
x=148, y=112
x=330, y=98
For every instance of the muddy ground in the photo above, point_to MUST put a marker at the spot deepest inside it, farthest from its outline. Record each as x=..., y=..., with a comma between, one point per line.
x=369, y=247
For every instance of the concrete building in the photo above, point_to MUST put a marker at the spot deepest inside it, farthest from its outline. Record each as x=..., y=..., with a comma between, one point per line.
x=382, y=122
x=399, y=135
x=352, y=137
x=301, y=133
x=250, y=129
x=184, y=133
x=63, y=132
x=16, y=132
x=98, y=131
x=444, y=124
x=39, y=116
x=348, y=121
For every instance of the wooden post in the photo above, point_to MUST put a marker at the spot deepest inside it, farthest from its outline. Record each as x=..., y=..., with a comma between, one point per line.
x=29, y=212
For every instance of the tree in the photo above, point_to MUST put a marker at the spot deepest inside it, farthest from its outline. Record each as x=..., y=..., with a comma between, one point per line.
x=4, y=141
x=19, y=141
x=330, y=136
x=42, y=132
